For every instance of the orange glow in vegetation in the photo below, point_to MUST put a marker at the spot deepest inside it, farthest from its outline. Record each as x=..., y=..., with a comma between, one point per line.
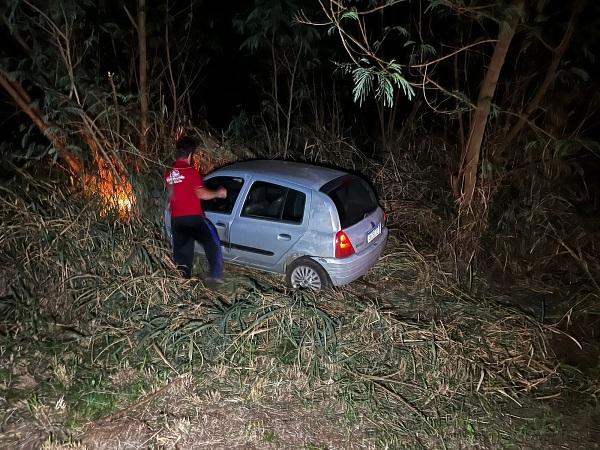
x=202, y=163
x=115, y=191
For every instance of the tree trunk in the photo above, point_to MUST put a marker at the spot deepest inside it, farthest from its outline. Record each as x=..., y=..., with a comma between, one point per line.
x=275, y=94
x=472, y=151
x=557, y=55
x=23, y=101
x=141, y=29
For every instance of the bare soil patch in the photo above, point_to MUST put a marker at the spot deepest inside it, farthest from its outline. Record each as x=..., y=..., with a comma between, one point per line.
x=175, y=416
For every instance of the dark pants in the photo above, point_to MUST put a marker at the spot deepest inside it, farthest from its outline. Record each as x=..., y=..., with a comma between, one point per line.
x=189, y=229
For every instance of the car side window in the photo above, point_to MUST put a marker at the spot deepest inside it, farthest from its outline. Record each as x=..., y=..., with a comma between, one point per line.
x=223, y=205
x=293, y=210
x=274, y=202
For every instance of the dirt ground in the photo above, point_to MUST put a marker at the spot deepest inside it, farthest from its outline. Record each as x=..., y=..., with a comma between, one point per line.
x=179, y=415
x=176, y=417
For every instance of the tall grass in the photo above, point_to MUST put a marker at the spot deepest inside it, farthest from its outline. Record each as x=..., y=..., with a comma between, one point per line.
x=407, y=355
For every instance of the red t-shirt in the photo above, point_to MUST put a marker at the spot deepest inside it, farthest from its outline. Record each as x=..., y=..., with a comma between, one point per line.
x=183, y=180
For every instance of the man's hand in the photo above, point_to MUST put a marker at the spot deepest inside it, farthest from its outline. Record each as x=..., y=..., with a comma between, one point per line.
x=221, y=192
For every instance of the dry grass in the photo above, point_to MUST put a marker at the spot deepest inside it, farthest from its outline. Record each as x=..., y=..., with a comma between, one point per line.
x=174, y=416
x=93, y=312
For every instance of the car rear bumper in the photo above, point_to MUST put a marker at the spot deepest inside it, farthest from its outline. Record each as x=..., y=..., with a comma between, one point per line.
x=345, y=270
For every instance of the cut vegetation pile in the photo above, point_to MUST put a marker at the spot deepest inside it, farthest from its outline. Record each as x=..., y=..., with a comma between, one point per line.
x=104, y=346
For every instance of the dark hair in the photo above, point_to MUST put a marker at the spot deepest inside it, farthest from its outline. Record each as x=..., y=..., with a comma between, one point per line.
x=185, y=146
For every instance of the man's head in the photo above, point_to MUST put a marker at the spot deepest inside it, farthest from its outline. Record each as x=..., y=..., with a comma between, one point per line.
x=185, y=147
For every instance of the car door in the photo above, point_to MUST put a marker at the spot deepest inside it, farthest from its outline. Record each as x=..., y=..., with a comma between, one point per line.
x=221, y=211
x=272, y=219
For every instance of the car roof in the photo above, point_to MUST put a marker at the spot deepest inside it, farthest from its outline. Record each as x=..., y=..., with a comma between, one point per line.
x=307, y=175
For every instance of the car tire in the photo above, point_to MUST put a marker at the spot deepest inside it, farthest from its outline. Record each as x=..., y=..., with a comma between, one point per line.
x=305, y=273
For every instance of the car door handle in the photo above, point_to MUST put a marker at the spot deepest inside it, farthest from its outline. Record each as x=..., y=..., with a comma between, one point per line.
x=284, y=237
x=221, y=225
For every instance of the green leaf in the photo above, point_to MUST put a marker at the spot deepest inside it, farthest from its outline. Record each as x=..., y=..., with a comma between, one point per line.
x=363, y=81
x=401, y=30
x=385, y=89
x=400, y=81
x=588, y=54
x=494, y=110
x=580, y=73
x=350, y=14
x=427, y=50
x=487, y=169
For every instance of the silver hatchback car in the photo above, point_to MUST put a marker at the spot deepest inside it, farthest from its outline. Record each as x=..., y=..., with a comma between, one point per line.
x=318, y=226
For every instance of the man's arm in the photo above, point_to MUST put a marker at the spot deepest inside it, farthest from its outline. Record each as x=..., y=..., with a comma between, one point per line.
x=203, y=193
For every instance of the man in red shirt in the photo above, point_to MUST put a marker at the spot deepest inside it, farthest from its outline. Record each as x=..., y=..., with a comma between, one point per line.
x=188, y=223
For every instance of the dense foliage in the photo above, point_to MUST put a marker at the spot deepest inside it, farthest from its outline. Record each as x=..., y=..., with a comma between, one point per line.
x=322, y=82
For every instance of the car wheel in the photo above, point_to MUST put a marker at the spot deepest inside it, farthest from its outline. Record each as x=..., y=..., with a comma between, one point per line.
x=304, y=273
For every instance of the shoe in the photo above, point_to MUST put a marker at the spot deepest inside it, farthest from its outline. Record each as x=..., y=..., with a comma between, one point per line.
x=213, y=280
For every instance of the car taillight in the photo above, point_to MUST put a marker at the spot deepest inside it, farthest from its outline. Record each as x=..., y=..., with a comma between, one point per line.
x=384, y=218
x=343, y=246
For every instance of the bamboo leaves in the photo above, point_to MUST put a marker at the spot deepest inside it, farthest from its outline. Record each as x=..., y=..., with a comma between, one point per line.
x=363, y=82
x=387, y=81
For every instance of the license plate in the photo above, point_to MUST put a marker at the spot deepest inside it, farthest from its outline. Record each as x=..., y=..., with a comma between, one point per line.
x=374, y=233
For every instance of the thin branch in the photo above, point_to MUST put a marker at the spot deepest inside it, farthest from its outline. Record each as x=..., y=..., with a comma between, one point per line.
x=133, y=23
x=450, y=55
x=557, y=55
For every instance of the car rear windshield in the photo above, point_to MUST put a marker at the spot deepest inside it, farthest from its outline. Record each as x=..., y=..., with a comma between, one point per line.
x=353, y=198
